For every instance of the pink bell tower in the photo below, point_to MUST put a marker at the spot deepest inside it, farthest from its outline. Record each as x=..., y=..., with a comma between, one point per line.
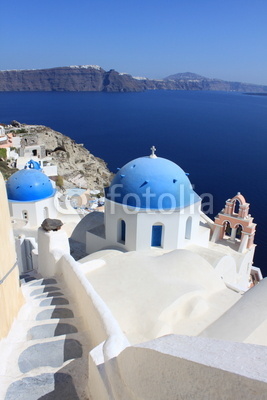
x=234, y=223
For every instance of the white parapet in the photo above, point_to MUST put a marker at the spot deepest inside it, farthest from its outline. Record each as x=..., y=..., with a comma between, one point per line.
x=182, y=367
x=51, y=247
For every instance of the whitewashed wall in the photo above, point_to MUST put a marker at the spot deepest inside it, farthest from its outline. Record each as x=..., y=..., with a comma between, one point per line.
x=35, y=209
x=184, y=368
x=139, y=228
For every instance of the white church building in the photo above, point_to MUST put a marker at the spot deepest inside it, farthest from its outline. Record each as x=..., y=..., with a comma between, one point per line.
x=31, y=196
x=151, y=204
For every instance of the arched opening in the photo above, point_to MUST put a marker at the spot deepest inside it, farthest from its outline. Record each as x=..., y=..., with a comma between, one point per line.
x=46, y=212
x=25, y=215
x=236, y=206
x=227, y=229
x=239, y=229
x=59, y=148
x=156, y=236
x=188, y=228
x=28, y=263
x=121, y=231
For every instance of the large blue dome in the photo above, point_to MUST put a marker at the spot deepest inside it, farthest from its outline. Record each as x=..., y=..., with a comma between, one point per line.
x=152, y=183
x=29, y=185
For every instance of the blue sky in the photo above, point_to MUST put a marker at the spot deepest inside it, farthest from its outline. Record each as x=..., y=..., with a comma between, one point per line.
x=215, y=38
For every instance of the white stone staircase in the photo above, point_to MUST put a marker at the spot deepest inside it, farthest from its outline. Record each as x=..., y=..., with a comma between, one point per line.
x=45, y=355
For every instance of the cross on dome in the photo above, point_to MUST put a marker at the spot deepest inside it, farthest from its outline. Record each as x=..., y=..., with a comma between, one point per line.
x=153, y=149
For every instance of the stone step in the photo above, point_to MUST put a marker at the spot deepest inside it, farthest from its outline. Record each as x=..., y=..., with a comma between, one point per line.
x=51, y=330
x=58, y=386
x=67, y=383
x=48, y=312
x=51, y=300
x=30, y=330
x=42, y=282
x=37, y=290
x=56, y=352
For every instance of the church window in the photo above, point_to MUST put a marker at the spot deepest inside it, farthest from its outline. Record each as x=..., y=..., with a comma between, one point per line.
x=188, y=228
x=156, y=238
x=121, y=231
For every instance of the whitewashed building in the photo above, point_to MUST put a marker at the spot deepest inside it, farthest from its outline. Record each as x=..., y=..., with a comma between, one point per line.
x=31, y=196
x=151, y=204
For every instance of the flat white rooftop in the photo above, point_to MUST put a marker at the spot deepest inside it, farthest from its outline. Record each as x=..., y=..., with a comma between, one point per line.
x=152, y=294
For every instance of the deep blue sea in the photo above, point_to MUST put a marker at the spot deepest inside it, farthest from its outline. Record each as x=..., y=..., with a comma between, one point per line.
x=219, y=138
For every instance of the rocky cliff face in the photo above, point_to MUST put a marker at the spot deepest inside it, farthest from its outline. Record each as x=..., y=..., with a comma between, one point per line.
x=94, y=78
x=82, y=79
x=75, y=163
x=192, y=81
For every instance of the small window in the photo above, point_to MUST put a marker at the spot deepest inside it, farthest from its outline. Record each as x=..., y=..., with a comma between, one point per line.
x=188, y=228
x=156, y=238
x=121, y=231
x=25, y=215
x=46, y=213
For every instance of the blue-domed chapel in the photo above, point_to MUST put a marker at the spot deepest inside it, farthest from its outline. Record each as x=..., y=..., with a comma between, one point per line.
x=31, y=196
x=152, y=183
x=149, y=203
x=29, y=185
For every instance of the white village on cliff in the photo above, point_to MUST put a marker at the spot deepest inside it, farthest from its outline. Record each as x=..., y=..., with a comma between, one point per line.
x=144, y=298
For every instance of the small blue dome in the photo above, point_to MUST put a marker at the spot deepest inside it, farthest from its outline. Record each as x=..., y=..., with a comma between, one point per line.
x=152, y=183
x=29, y=185
x=33, y=165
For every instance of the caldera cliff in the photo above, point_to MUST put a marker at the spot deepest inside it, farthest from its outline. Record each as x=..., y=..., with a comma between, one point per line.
x=92, y=78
